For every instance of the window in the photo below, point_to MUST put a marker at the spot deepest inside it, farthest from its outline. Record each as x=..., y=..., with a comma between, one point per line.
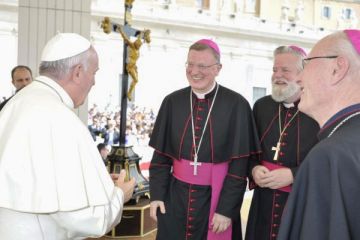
x=258, y=92
x=347, y=13
x=202, y=4
x=326, y=12
x=250, y=6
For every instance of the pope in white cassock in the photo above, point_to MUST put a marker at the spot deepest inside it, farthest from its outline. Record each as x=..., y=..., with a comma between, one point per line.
x=53, y=183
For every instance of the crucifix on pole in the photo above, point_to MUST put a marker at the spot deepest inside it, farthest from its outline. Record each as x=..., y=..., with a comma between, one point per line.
x=122, y=156
x=130, y=57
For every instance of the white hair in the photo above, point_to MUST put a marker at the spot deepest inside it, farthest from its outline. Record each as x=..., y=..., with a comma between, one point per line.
x=297, y=54
x=61, y=68
x=341, y=45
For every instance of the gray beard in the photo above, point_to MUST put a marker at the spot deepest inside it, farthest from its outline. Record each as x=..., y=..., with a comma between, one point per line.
x=280, y=94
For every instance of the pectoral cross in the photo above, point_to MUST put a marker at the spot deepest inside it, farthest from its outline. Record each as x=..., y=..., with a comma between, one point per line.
x=195, y=163
x=277, y=150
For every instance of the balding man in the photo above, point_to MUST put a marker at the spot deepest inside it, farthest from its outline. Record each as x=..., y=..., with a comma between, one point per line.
x=324, y=202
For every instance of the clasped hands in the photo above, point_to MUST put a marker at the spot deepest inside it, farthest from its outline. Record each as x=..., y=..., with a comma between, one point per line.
x=273, y=179
x=219, y=222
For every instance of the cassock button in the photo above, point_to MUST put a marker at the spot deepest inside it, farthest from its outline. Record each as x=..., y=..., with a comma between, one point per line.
x=189, y=234
x=282, y=154
x=191, y=218
x=192, y=200
x=289, y=114
x=190, y=226
x=283, y=144
x=200, y=109
x=277, y=194
x=276, y=215
x=273, y=235
x=275, y=225
x=191, y=209
x=199, y=118
x=193, y=190
x=277, y=205
x=285, y=134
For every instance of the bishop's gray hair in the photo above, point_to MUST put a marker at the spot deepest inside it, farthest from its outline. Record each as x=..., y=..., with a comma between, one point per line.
x=61, y=68
x=296, y=51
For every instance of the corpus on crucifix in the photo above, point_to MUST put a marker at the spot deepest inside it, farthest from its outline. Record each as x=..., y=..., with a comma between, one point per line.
x=133, y=55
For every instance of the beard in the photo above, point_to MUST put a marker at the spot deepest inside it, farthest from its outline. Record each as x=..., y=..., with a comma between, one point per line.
x=281, y=93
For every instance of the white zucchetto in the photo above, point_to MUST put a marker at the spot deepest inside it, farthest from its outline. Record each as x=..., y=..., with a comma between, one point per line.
x=64, y=45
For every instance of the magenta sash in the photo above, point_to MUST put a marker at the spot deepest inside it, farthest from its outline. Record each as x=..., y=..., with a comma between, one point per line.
x=208, y=174
x=272, y=166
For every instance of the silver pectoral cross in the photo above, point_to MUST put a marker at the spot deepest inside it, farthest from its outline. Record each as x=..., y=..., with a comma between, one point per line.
x=277, y=150
x=195, y=163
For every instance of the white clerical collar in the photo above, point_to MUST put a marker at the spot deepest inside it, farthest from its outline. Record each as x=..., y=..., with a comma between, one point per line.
x=202, y=95
x=63, y=95
x=288, y=105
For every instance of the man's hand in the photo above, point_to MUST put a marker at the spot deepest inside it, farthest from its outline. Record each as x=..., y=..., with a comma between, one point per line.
x=258, y=173
x=220, y=223
x=126, y=187
x=154, y=205
x=278, y=178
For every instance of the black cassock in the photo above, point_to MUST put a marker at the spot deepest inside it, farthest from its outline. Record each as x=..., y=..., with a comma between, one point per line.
x=299, y=137
x=230, y=136
x=324, y=203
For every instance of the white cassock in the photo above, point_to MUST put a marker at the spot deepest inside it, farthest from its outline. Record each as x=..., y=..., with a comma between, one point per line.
x=53, y=183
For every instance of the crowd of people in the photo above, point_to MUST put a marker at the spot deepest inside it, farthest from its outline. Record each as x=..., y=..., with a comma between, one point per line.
x=104, y=125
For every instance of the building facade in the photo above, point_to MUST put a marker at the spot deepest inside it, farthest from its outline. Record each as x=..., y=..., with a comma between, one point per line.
x=247, y=31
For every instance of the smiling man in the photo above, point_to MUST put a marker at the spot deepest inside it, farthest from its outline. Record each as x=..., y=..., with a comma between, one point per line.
x=324, y=202
x=203, y=137
x=286, y=136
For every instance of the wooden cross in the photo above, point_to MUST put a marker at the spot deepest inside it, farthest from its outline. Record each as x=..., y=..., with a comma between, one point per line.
x=277, y=150
x=195, y=163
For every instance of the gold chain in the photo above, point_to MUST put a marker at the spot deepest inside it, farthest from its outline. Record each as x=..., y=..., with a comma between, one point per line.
x=287, y=124
x=281, y=132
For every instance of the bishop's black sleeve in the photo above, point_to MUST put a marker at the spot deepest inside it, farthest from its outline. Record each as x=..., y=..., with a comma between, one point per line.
x=233, y=189
x=160, y=173
x=255, y=159
x=234, y=186
x=294, y=171
x=253, y=162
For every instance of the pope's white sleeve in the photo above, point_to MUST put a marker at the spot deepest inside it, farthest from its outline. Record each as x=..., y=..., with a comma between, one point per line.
x=92, y=221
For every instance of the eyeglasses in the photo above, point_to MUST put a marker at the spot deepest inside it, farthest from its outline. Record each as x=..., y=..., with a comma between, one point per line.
x=307, y=60
x=201, y=67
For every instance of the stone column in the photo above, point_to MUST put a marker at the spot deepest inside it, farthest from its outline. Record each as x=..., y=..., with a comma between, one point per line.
x=39, y=20
x=215, y=9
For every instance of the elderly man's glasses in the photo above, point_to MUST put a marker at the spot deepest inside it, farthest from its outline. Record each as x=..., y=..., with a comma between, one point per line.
x=201, y=67
x=307, y=60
